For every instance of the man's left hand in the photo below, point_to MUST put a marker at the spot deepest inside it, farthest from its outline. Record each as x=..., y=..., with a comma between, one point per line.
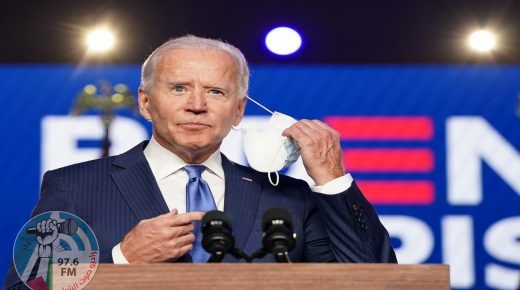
x=320, y=149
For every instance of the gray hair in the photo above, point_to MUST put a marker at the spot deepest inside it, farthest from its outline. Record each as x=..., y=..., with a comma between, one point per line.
x=191, y=41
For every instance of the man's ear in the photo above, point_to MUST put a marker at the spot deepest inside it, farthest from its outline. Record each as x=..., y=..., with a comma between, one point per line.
x=240, y=111
x=144, y=104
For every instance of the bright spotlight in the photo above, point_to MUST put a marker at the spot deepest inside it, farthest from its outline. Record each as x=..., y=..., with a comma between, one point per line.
x=100, y=40
x=482, y=41
x=283, y=41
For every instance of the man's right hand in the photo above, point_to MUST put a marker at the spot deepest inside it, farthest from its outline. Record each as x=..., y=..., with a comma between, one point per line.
x=163, y=238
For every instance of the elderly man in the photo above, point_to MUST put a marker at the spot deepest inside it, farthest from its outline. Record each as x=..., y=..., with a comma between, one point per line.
x=139, y=203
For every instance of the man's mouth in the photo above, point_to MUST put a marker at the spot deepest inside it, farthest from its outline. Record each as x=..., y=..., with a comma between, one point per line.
x=193, y=125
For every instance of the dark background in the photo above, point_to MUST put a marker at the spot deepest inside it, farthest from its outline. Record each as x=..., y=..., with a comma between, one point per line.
x=397, y=31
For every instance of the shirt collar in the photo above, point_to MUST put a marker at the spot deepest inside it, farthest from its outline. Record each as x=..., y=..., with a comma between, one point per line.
x=163, y=162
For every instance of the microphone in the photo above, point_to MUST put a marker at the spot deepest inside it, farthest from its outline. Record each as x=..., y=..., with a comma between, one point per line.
x=279, y=238
x=216, y=235
x=68, y=227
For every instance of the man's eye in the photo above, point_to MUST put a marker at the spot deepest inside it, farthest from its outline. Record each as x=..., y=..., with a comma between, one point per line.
x=216, y=92
x=179, y=89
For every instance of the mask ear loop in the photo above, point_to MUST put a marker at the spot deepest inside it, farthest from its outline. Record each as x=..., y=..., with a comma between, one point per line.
x=277, y=178
x=275, y=172
x=260, y=105
x=271, y=112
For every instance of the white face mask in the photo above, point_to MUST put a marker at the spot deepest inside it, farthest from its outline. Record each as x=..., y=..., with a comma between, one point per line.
x=267, y=150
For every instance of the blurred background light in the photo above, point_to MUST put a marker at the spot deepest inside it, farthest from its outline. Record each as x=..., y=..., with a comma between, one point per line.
x=100, y=40
x=283, y=41
x=482, y=41
x=350, y=32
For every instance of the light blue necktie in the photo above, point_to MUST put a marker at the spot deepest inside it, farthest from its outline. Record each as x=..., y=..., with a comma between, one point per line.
x=198, y=198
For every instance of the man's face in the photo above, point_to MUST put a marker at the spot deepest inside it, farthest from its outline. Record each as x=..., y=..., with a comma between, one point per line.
x=193, y=101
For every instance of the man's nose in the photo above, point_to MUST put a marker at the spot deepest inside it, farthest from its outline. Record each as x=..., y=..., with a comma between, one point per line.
x=197, y=101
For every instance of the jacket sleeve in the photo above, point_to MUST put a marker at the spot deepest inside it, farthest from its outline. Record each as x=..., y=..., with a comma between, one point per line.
x=317, y=247
x=355, y=231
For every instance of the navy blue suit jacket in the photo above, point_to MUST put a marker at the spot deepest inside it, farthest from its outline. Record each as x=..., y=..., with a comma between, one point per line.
x=113, y=194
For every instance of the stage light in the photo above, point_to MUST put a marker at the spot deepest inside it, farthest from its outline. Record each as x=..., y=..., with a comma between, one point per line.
x=482, y=41
x=100, y=40
x=283, y=41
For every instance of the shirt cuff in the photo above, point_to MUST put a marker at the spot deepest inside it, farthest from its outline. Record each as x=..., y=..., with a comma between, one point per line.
x=117, y=255
x=334, y=186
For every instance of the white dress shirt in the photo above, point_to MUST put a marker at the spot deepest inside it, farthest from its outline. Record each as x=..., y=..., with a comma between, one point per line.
x=167, y=168
x=172, y=179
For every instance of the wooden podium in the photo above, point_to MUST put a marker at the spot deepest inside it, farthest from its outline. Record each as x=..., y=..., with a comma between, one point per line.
x=270, y=276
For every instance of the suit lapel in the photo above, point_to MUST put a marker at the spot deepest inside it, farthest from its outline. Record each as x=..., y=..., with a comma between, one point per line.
x=242, y=196
x=134, y=179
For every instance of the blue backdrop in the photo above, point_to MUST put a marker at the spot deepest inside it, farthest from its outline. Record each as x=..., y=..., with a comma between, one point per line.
x=444, y=140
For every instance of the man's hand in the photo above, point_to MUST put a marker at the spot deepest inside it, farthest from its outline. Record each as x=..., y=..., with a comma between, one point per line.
x=320, y=149
x=47, y=234
x=47, y=231
x=163, y=238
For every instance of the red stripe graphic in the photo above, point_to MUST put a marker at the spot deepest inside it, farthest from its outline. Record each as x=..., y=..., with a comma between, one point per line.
x=398, y=192
x=388, y=160
x=382, y=128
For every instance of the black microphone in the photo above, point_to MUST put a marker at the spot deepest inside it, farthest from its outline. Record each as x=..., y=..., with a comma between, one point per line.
x=68, y=227
x=279, y=238
x=216, y=235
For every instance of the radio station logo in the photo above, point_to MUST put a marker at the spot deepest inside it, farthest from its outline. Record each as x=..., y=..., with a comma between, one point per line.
x=56, y=250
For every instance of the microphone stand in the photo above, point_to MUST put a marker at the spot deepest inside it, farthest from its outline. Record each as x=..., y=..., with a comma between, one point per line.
x=280, y=257
x=259, y=254
x=237, y=253
x=217, y=256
